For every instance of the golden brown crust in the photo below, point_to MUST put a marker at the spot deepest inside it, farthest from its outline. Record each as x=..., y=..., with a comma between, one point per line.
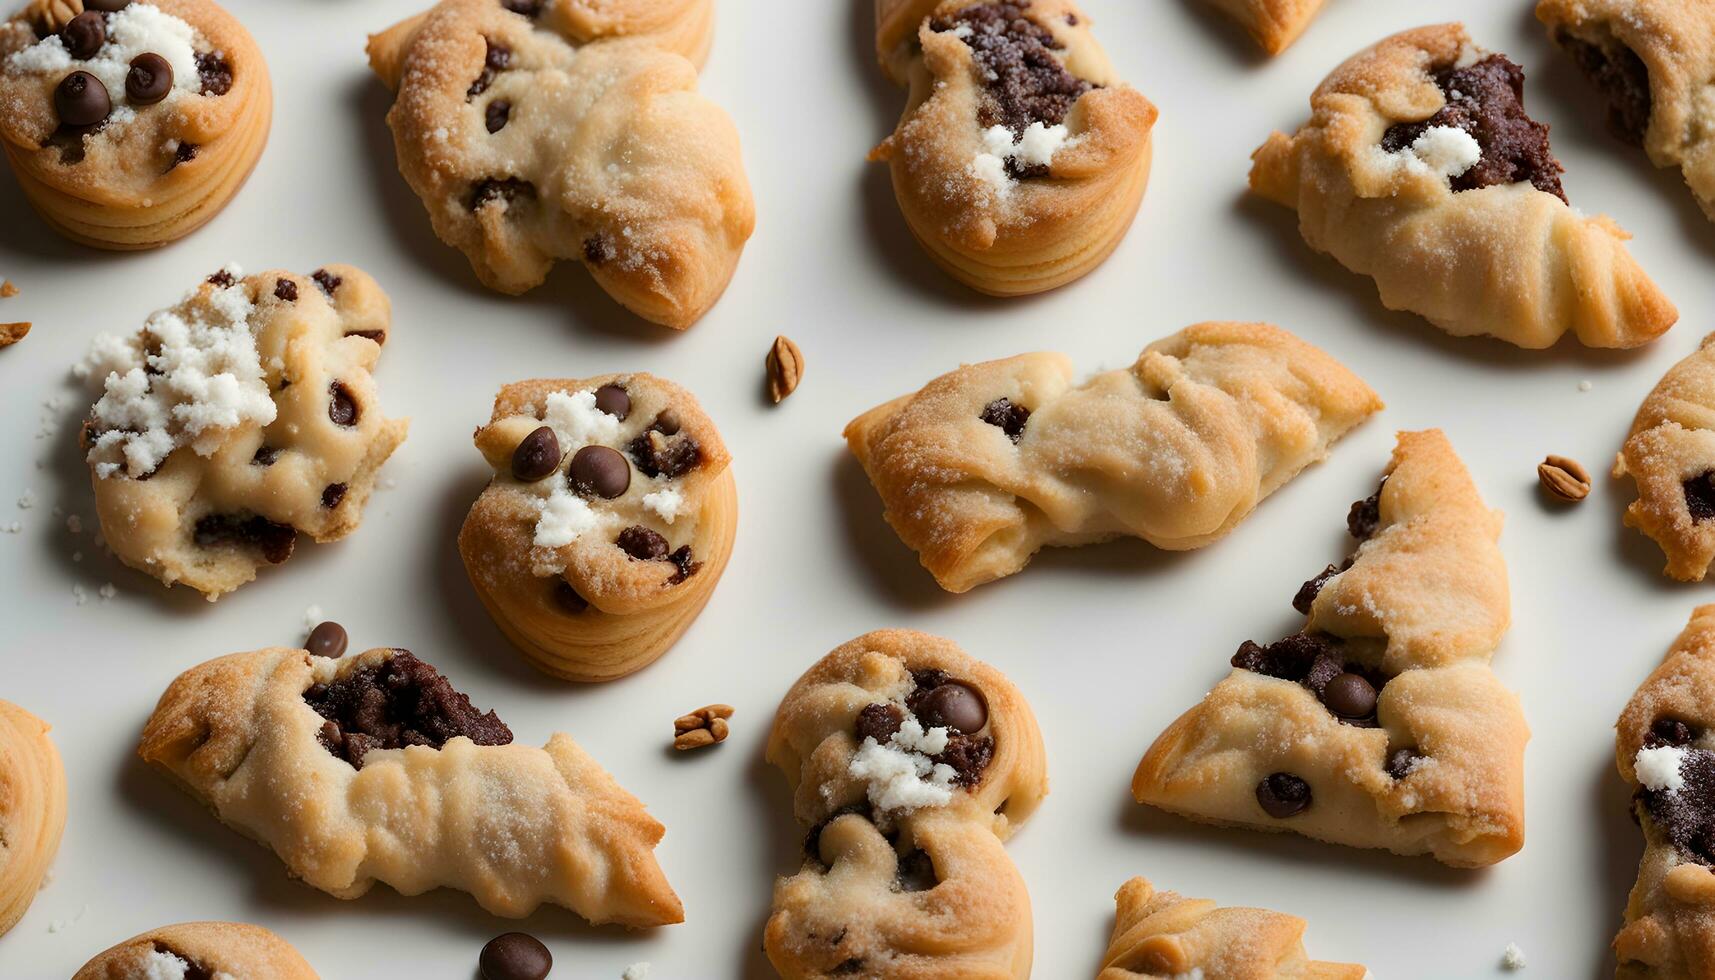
x=1274, y=24
x=1423, y=605
x=845, y=911
x=234, y=949
x=32, y=809
x=1509, y=261
x=1672, y=447
x=1167, y=936
x=1175, y=450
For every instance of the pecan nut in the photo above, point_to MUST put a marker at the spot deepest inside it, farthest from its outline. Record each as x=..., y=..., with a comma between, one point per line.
x=51, y=16
x=785, y=365
x=1564, y=478
x=704, y=726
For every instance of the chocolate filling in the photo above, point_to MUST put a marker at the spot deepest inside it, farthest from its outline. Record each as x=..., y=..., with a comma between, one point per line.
x=968, y=754
x=1486, y=100
x=663, y=451
x=492, y=189
x=327, y=281
x=214, y=73
x=1700, y=496
x=275, y=541
x=398, y=702
x=1349, y=690
x=1621, y=76
x=568, y=598
x=1366, y=515
x=1686, y=816
x=496, y=60
x=1308, y=592
x=915, y=873
x=193, y=969
x=1007, y=417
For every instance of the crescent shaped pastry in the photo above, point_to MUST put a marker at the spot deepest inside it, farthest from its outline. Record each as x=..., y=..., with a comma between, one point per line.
x=909, y=762
x=373, y=768
x=1665, y=750
x=1274, y=24
x=536, y=132
x=607, y=524
x=988, y=464
x=195, y=950
x=32, y=810
x=1167, y=936
x=1420, y=169
x=1380, y=723
x=1020, y=159
x=1670, y=453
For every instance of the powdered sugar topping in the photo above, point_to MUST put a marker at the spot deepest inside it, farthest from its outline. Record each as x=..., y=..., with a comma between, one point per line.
x=901, y=775
x=1658, y=768
x=134, y=30
x=1445, y=151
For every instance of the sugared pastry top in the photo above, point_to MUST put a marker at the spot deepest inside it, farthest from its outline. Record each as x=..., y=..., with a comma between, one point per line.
x=1670, y=454
x=200, y=951
x=237, y=419
x=32, y=810
x=1275, y=24
x=1420, y=168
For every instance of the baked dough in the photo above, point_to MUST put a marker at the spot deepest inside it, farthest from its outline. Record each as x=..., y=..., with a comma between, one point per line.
x=32, y=810
x=1021, y=158
x=1670, y=453
x=988, y=464
x=1652, y=60
x=189, y=950
x=1168, y=936
x=513, y=825
x=238, y=419
x=539, y=131
x=1450, y=224
x=149, y=172
x=591, y=587
x=1666, y=753
x=910, y=762
x=1436, y=763
x=1275, y=24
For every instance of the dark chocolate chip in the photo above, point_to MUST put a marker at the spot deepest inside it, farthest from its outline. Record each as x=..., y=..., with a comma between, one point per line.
x=496, y=115
x=1007, y=417
x=1672, y=731
x=1700, y=496
x=84, y=35
x=214, y=73
x=496, y=60
x=1400, y=761
x=183, y=153
x=1366, y=515
x=327, y=640
x=968, y=755
x=221, y=279
x=568, y=598
x=537, y=455
x=642, y=543
x=1283, y=795
x=287, y=290
x=916, y=873
x=328, y=282
x=275, y=541
x=491, y=189
x=684, y=565
x=879, y=721
x=1308, y=592
x=379, y=337
x=599, y=470
x=265, y=456
x=667, y=423
x=953, y=705
x=598, y=248
x=342, y=408
x=398, y=702
x=515, y=956
x=332, y=495
x=149, y=79
x=614, y=400
x=81, y=100
x=1349, y=696
x=659, y=455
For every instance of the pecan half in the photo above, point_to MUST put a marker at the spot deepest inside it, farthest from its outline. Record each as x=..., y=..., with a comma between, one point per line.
x=1563, y=478
x=704, y=726
x=785, y=365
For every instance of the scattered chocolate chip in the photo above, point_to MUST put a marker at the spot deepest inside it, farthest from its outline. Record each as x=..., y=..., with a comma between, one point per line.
x=214, y=73
x=515, y=956
x=568, y=598
x=955, y=706
x=684, y=566
x=1619, y=74
x=614, y=400
x=1007, y=417
x=265, y=456
x=1700, y=497
x=287, y=290
x=528, y=8
x=327, y=640
x=327, y=281
x=398, y=702
x=497, y=59
x=332, y=494
x=1400, y=761
x=342, y=408
x=879, y=721
x=1366, y=515
x=507, y=189
x=537, y=455
x=149, y=79
x=81, y=100
x=1283, y=795
x=84, y=35
x=598, y=248
x=221, y=279
x=1349, y=695
x=275, y=541
x=657, y=454
x=916, y=873
x=1672, y=731
x=1308, y=592
x=496, y=115
x=601, y=471
x=642, y=543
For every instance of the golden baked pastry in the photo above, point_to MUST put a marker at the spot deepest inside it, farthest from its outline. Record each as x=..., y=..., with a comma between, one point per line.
x=1275, y=24
x=1167, y=936
x=988, y=464
x=130, y=124
x=1380, y=723
x=909, y=762
x=537, y=131
x=608, y=522
x=1670, y=453
x=1021, y=158
x=32, y=810
x=374, y=768
x=196, y=950
x=1420, y=169
x=238, y=419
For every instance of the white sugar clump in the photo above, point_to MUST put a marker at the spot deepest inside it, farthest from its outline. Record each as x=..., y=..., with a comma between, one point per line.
x=901, y=775
x=577, y=422
x=160, y=964
x=199, y=379
x=1658, y=768
x=1034, y=148
x=1512, y=958
x=565, y=517
x=636, y=971
x=135, y=30
x=665, y=503
x=1445, y=151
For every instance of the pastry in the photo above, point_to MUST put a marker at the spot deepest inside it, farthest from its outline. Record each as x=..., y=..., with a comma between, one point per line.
x=608, y=522
x=537, y=131
x=130, y=124
x=990, y=463
x=910, y=762
x=32, y=810
x=1168, y=936
x=1666, y=753
x=1379, y=723
x=1651, y=60
x=1274, y=24
x=200, y=951
x=373, y=768
x=1020, y=159
x=238, y=419
x=1670, y=453
x=1420, y=169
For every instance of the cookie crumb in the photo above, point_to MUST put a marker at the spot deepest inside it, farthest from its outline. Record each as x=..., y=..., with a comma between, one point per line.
x=12, y=528
x=11, y=333
x=107, y=591
x=312, y=618
x=636, y=971
x=80, y=594
x=1512, y=958
x=61, y=925
x=26, y=500
x=7, y=289
x=1585, y=385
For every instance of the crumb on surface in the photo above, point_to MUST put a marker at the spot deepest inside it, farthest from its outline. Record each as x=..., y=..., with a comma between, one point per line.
x=1585, y=385
x=1512, y=958
x=636, y=971
x=7, y=289
x=11, y=333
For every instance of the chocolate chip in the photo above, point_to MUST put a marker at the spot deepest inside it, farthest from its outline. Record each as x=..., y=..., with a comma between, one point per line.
x=684, y=566
x=642, y=543
x=1400, y=761
x=496, y=115
x=1366, y=515
x=1349, y=696
x=221, y=279
x=81, y=100
x=84, y=35
x=568, y=598
x=537, y=456
x=1290, y=659
x=953, y=705
x=214, y=73
x=1307, y=593
x=528, y=8
x=659, y=455
x=328, y=282
x=497, y=59
x=1622, y=76
x=332, y=494
x=287, y=290
x=183, y=153
x=667, y=423
x=265, y=456
x=848, y=967
x=149, y=79
x=916, y=873
x=1283, y=795
x=598, y=248
x=1009, y=418
x=1700, y=497
x=599, y=470
x=492, y=189
x=342, y=408
x=275, y=541
x=515, y=956
x=968, y=756
x=106, y=6
x=615, y=401
x=327, y=640
x=879, y=721
x=1672, y=731
x=1685, y=816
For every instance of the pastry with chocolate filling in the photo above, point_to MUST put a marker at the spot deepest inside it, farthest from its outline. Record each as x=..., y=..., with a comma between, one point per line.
x=1420, y=168
x=1380, y=723
x=537, y=132
x=1021, y=158
x=128, y=123
x=910, y=763
x=1274, y=24
x=237, y=420
x=989, y=464
x=1664, y=746
x=374, y=768
x=1166, y=936
x=32, y=810
x=199, y=950
x=607, y=524
x=1651, y=61
x=1670, y=454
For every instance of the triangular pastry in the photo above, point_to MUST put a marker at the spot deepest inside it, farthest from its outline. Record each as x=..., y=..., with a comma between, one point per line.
x=1380, y=723
x=1670, y=454
x=1275, y=24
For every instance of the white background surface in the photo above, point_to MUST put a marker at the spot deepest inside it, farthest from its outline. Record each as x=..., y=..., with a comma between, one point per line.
x=1109, y=643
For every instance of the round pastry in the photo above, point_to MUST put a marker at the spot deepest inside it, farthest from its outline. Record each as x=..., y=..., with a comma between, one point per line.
x=237, y=419
x=192, y=950
x=608, y=522
x=130, y=124
x=32, y=809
